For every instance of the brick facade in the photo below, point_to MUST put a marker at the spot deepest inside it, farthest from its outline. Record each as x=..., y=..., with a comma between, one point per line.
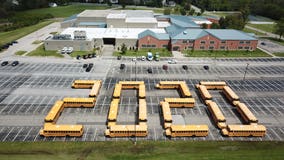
x=152, y=42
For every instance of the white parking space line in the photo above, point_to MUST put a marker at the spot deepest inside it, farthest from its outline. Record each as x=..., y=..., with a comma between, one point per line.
x=17, y=134
x=27, y=134
x=8, y=134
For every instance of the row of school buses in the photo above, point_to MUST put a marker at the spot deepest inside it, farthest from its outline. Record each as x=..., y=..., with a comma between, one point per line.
x=251, y=128
x=137, y=130
x=50, y=127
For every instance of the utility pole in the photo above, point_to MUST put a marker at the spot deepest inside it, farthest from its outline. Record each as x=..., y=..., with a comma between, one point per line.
x=246, y=71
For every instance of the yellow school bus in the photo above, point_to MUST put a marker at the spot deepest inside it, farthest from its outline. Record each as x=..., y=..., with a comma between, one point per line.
x=187, y=131
x=117, y=91
x=244, y=131
x=168, y=84
x=113, y=111
x=95, y=89
x=127, y=131
x=142, y=112
x=204, y=93
x=180, y=102
x=230, y=94
x=142, y=91
x=213, y=85
x=55, y=112
x=83, y=84
x=217, y=115
x=185, y=93
x=167, y=115
x=131, y=84
x=79, y=102
x=246, y=114
x=50, y=130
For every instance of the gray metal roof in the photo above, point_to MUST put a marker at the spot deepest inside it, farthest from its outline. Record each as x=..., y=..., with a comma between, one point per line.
x=191, y=34
x=160, y=36
x=229, y=34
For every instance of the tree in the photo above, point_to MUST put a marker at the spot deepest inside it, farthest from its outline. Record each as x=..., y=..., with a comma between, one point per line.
x=279, y=28
x=204, y=26
x=182, y=11
x=123, y=3
x=109, y=3
x=167, y=11
x=222, y=23
x=215, y=26
x=123, y=48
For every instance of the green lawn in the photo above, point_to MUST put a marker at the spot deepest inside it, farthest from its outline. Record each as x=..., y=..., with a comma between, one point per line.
x=64, y=11
x=42, y=53
x=19, y=53
x=264, y=27
x=149, y=150
x=253, y=31
x=256, y=53
x=80, y=53
x=6, y=37
x=143, y=52
x=279, y=54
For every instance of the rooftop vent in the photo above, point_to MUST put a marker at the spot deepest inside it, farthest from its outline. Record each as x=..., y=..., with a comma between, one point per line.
x=184, y=32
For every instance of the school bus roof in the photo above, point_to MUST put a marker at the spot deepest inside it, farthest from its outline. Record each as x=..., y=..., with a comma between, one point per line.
x=246, y=127
x=112, y=115
x=171, y=82
x=54, y=110
x=131, y=82
x=231, y=92
x=55, y=127
x=128, y=128
x=181, y=100
x=216, y=110
x=189, y=127
x=246, y=111
x=68, y=99
x=166, y=111
x=204, y=91
x=142, y=109
x=217, y=83
x=86, y=81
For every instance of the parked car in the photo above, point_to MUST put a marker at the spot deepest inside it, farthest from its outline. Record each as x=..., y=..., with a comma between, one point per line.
x=172, y=61
x=263, y=43
x=4, y=63
x=143, y=58
x=118, y=57
x=134, y=59
x=85, y=56
x=64, y=50
x=88, y=69
x=184, y=67
x=69, y=50
x=122, y=66
x=206, y=67
x=14, y=42
x=165, y=67
x=94, y=55
x=15, y=63
x=149, y=70
x=90, y=55
x=78, y=57
x=85, y=65
x=90, y=65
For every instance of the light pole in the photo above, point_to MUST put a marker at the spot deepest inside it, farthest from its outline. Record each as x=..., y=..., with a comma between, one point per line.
x=246, y=71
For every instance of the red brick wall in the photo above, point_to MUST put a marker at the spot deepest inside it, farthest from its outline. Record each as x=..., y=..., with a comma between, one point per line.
x=230, y=45
x=149, y=40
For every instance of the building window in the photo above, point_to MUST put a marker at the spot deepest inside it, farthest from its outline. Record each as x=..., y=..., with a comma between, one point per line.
x=240, y=47
x=184, y=41
x=223, y=42
x=202, y=42
x=222, y=47
x=246, y=48
x=153, y=46
x=211, y=47
x=202, y=47
x=165, y=46
x=247, y=42
x=212, y=42
x=144, y=46
x=241, y=42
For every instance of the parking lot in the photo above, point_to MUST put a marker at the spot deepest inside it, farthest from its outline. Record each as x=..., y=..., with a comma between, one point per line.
x=28, y=91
